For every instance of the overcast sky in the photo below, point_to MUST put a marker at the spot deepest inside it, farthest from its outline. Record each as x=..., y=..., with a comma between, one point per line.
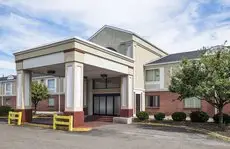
x=172, y=25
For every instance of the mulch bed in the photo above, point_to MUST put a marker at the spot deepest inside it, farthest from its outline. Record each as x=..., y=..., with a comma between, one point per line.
x=210, y=126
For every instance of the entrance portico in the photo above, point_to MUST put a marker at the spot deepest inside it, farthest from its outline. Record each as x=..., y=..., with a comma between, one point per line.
x=80, y=62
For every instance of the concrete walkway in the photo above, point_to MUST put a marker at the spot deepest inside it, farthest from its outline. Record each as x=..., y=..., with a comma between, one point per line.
x=105, y=137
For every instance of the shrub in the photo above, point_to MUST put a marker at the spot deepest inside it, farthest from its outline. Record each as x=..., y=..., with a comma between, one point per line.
x=159, y=116
x=4, y=110
x=199, y=116
x=225, y=118
x=179, y=116
x=143, y=116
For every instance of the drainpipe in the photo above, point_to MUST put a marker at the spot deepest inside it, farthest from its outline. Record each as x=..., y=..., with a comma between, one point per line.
x=59, y=95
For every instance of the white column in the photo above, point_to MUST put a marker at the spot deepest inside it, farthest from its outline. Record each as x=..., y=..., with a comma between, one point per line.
x=85, y=93
x=90, y=97
x=74, y=87
x=143, y=101
x=162, y=80
x=127, y=98
x=23, y=90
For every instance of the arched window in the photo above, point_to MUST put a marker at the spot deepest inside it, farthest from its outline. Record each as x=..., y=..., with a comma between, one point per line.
x=110, y=48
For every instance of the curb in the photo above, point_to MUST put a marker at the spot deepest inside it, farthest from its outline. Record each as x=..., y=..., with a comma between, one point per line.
x=78, y=129
x=207, y=132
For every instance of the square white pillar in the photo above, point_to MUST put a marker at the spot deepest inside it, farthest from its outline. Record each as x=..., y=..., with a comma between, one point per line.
x=23, y=100
x=23, y=90
x=127, y=96
x=74, y=87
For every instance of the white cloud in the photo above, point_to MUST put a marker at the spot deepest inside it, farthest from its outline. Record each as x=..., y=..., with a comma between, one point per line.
x=7, y=65
x=171, y=25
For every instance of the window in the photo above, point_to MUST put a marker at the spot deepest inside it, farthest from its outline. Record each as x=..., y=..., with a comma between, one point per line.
x=51, y=102
x=8, y=89
x=152, y=101
x=113, y=82
x=192, y=102
x=153, y=75
x=99, y=84
x=51, y=85
x=104, y=84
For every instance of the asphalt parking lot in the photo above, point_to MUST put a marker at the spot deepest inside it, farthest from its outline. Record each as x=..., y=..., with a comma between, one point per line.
x=112, y=136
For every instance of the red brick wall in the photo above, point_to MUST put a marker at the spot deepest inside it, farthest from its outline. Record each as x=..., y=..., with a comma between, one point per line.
x=170, y=104
x=43, y=105
x=227, y=109
x=9, y=101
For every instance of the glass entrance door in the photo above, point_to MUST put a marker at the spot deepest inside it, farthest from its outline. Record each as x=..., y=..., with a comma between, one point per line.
x=106, y=104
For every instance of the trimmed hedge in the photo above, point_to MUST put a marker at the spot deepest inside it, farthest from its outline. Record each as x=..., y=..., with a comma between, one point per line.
x=226, y=118
x=142, y=116
x=159, y=116
x=4, y=110
x=199, y=116
x=179, y=116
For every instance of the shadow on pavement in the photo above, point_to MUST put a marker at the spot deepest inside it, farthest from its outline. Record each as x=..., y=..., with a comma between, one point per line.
x=167, y=128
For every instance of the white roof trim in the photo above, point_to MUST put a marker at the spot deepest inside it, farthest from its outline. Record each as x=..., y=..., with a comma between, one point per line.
x=76, y=39
x=172, y=62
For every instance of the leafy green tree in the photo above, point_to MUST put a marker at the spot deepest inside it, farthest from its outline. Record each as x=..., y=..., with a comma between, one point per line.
x=39, y=92
x=207, y=78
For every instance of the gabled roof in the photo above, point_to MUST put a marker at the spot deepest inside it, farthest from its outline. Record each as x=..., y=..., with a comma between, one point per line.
x=125, y=31
x=10, y=77
x=178, y=57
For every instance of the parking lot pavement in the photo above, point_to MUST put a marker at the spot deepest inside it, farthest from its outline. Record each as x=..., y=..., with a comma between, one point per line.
x=104, y=137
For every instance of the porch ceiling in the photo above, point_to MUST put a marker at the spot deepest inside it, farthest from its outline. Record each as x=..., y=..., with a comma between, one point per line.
x=89, y=71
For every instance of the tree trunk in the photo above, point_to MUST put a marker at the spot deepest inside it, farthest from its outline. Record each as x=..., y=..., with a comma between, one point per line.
x=35, y=108
x=221, y=118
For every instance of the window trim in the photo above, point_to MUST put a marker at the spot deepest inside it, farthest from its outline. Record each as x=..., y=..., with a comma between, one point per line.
x=192, y=107
x=153, y=107
x=11, y=88
x=152, y=81
x=53, y=102
x=55, y=85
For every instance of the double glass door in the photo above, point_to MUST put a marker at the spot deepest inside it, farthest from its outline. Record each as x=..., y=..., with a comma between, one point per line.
x=106, y=104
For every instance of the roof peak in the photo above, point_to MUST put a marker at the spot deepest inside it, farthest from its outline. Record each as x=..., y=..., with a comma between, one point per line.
x=126, y=31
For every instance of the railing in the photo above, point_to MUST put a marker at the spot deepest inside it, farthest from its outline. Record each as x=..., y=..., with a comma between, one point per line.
x=15, y=116
x=63, y=121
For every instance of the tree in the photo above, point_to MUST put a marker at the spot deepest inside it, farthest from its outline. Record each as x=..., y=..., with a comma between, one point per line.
x=206, y=79
x=39, y=92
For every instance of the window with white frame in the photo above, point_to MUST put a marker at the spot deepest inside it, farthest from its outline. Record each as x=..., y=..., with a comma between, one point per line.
x=192, y=102
x=152, y=101
x=51, y=102
x=51, y=85
x=153, y=75
x=8, y=88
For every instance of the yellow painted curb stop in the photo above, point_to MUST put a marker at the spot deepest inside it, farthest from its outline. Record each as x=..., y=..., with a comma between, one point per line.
x=79, y=129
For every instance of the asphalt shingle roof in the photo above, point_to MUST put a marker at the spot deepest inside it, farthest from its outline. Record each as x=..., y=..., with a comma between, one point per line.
x=179, y=57
x=5, y=78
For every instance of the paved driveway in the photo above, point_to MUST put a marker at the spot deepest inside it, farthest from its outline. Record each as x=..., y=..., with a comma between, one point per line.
x=114, y=136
